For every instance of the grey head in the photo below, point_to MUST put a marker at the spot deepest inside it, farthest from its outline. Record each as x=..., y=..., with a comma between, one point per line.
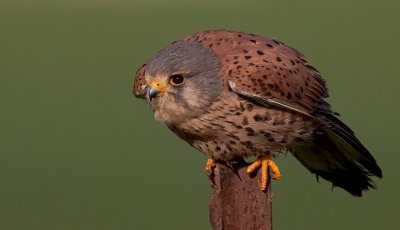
x=182, y=81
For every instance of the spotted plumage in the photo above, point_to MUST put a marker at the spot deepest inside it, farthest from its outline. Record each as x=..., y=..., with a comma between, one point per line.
x=233, y=95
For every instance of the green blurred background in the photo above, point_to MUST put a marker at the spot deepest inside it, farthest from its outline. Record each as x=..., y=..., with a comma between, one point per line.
x=78, y=151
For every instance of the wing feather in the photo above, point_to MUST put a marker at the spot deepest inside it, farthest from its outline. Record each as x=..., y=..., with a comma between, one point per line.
x=265, y=70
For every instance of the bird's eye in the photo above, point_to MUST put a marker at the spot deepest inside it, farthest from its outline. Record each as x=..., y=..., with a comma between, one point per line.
x=176, y=80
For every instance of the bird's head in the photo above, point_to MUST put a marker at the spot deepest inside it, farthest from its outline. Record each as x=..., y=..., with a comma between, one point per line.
x=180, y=82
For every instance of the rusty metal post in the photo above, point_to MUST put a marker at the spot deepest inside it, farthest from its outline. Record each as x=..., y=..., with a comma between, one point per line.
x=237, y=202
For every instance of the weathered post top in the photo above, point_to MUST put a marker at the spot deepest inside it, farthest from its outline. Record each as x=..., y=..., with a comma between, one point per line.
x=238, y=202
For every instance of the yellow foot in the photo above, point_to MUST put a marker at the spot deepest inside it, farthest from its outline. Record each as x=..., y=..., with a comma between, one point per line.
x=265, y=162
x=210, y=165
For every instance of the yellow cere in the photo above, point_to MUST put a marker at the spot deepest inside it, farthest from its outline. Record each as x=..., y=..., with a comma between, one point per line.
x=157, y=85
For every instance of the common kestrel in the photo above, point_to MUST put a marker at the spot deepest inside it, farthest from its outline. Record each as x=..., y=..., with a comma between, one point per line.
x=233, y=95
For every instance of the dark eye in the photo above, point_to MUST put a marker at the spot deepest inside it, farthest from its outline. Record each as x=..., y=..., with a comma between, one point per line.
x=176, y=80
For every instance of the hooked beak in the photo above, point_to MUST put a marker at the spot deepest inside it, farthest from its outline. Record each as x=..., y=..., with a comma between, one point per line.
x=156, y=89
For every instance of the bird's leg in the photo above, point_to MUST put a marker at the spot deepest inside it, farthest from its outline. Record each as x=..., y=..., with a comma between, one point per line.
x=265, y=162
x=210, y=165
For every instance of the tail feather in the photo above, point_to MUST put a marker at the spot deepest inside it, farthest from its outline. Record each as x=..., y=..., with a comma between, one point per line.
x=336, y=155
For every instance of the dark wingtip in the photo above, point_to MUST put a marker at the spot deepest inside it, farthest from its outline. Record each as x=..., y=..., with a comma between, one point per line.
x=352, y=179
x=378, y=172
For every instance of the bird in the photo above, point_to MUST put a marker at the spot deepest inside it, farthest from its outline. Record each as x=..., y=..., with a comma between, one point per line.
x=233, y=95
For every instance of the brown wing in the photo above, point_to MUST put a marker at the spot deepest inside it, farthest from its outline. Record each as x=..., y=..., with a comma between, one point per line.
x=140, y=82
x=265, y=70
